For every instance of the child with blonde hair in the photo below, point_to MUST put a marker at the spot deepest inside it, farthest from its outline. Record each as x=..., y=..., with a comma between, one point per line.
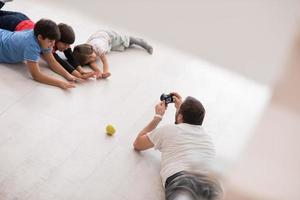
x=102, y=42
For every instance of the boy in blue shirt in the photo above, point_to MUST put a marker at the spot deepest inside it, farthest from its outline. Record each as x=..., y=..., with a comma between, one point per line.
x=29, y=46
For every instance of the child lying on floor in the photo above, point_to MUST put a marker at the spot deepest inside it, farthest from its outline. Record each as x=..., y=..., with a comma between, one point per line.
x=102, y=42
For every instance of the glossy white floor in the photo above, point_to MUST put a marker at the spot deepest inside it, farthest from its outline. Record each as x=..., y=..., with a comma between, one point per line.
x=52, y=142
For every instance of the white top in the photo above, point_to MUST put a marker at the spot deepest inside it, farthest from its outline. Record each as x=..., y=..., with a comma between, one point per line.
x=100, y=41
x=183, y=147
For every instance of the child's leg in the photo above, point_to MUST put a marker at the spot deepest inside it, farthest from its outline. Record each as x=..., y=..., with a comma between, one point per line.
x=118, y=42
x=140, y=42
x=9, y=20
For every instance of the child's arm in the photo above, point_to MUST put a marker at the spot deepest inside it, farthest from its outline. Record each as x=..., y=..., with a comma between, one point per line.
x=74, y=63
x=104, y=61
x=56, y=67
x=70, y=68
x=81, y=70
x=37, y=75
x=96, y=69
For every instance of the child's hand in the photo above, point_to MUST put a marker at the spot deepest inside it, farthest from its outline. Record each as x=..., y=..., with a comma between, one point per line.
x=71, y=78
x=98, y=74
x=84, y=72
x=106, y=75
x=66, y=85
x=74, y=79
x=88, y=75
x=79, y=80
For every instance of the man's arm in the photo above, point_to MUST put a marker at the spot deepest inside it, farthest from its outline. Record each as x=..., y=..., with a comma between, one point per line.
x=56, y=67
x=142, y=141
x=37, y=75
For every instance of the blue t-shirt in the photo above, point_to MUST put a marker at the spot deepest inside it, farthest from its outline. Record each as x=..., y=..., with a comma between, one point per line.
x=19, y=46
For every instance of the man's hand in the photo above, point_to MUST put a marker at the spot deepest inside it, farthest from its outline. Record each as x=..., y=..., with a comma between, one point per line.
x=177, y=100
x=160, y=108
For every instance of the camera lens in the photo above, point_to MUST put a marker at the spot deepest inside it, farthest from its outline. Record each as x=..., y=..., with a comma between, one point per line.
x=163, y=97
x=168, y=98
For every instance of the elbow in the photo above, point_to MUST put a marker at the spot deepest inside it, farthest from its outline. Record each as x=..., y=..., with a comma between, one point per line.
x=35, y=77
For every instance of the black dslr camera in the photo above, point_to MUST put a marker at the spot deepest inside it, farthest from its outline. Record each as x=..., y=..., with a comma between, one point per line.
x=168, y=98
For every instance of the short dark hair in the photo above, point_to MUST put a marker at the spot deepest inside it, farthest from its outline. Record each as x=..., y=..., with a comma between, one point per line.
x=196, y=186
x=67, y=34
x=47, y=29
x=192, y=111
x=81, y=53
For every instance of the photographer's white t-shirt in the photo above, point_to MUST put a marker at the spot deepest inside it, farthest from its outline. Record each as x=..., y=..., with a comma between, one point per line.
x=184, y=147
